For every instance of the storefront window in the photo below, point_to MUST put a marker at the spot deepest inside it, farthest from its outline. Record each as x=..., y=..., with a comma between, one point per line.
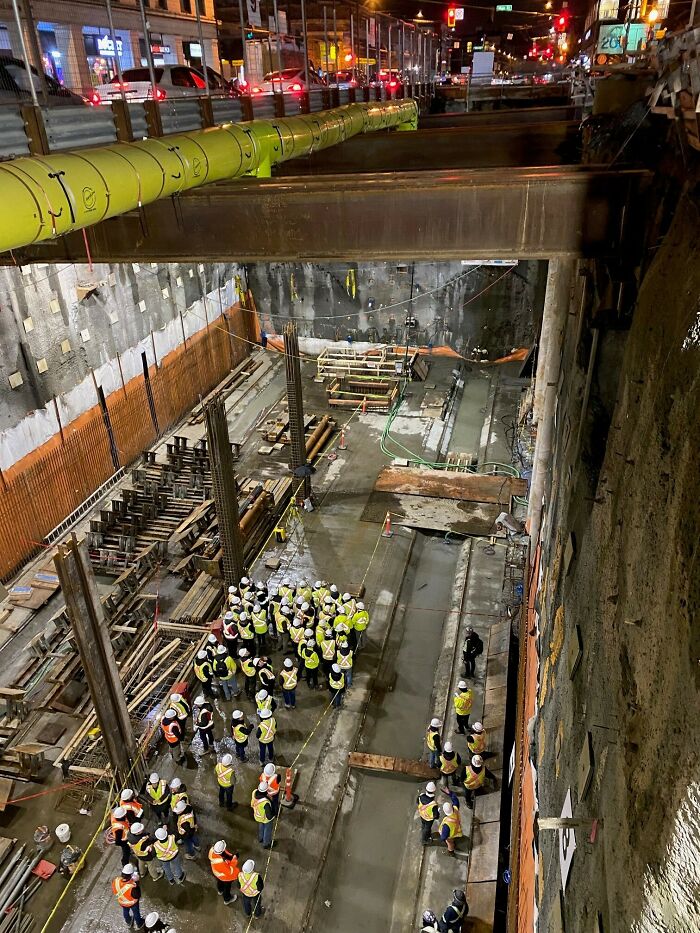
x=102, y=55
x=192, y=52
x=50, y=54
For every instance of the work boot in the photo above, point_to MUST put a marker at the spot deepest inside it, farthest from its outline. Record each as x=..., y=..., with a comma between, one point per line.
x=182, y=879
x=231, y=900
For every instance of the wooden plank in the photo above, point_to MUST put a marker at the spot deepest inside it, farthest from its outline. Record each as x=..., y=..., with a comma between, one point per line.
x=6, y=786
x=447, y=484
x=408, y=766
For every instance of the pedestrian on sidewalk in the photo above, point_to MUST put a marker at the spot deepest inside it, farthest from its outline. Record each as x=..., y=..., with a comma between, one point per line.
x=225, y=778
x=224, y=866
x=167, y=854
x=472, y=648
x=463, y=700
x=240, y=730
x=141, y=845
x=450, y=763
x=428, y=811
x=453, y=916
x=128, y=893
x=451, y=824
x=262, y=813
x=204, y=723
x=187, y=829
x=251, y=885
x=265, y=734
x=289, y=677
x=434, y=743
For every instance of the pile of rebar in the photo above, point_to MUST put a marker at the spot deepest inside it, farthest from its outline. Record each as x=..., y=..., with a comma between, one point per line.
x=17, y=887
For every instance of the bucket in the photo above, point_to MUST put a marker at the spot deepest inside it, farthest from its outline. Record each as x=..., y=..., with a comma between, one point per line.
x=63, y=832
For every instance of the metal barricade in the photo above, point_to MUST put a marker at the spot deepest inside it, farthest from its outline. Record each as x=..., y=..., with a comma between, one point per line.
x=78, y=127
x=13, y=139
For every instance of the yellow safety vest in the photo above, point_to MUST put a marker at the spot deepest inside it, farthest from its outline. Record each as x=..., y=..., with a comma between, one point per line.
x=245, y=630
x=248, y=667
x=296, y=633
x=264, y=704
x=230, y=668
x=158, y=792
x=328, y=649
x=180, y=708
x=426, y=811
x=240, y=733
x=260, y=809
x=280, y=621
x=249, y=883
x=311, y=659
x=448, y=765
x=361, y=620
x=267, y=730
x=342, y=625
x=289, y=678
x=201, y=672
x=177, y=796
x=166, y=851
x=285, y=591
x=260, y=622
x=344, y=661
x=224, y=774
x=476, y=743
x=463, y=702
x=453, y=823
x=336, y=682
x=186, y=821
x=473, y=780
x=140, y=847
x=305, y=594
x=430, y=737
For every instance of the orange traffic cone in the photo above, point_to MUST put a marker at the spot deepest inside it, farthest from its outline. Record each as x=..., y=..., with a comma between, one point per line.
x=364, y=405
x=289, y=799
x=387, y=533
x=342, y=445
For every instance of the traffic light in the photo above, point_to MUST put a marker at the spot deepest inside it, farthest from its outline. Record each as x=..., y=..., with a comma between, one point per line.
x=451, y=17
x=561, y=23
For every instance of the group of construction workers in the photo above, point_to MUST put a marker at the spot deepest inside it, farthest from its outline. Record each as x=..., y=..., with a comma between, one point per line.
x=318, y=629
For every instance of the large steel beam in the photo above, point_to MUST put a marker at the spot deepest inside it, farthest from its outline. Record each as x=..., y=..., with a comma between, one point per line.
x=457, y=214
x=225, y=494
x=295, y=407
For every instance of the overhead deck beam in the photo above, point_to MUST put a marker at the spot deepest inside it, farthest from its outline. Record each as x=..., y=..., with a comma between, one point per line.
x=460, y=214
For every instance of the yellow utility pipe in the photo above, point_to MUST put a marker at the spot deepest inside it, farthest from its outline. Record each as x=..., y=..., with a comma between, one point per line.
x=46, y=196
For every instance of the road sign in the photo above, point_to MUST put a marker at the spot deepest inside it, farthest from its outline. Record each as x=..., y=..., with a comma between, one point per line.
x=504, y=8
x=459, y=12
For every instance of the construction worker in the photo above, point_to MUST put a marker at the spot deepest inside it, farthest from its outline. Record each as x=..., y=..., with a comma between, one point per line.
x=266, y=676
x=451, y=824
x=262, y=812
x=224, y=867
x=265, y=734
x=428, y=811
x=319, y=593
x=328, y=649
x=472, y=648
x=165, y=847
x=225, y=670
x=286, y=589
x=476, y=739
x=360, y=621
x=229, y=631
x=434, y=742
x=204, y=673
x=158, y=794
x=172, y=730
x=251, y=885
x=155, y=925
x=270, y=777
x=326, y=612
x=474, y=778
x=289, y=677
x=141, y=845
x=203, y=720
x=311, y=663
x=344, y=659
x=453, y=916
x=303, y=591
x=240, y=730
x=186, y=828
x=263, y=700
x=232, y=594
x=244, y=587
x=280, y=614
x=245, y=631
x=182, y=709
x=429, y=922
x=249, y=672
x=178, y=792
x=336, y=685
x=225, y=776
x=341, y=625
x=296, y=634
x=308, y=614
x=128, y=893
x=134, y=810
x=462, y=700
x=450, y=763
x=259, y=618
x=119, y=825
x=211, y=646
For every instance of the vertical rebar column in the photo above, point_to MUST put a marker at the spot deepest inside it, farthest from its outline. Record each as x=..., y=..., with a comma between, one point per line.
x=89, y=625
x=295, y=404
x=223, y=480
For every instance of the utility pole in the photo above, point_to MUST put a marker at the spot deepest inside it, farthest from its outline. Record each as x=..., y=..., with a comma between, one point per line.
x=224, y=487
x=295, y=405
x=89, y=625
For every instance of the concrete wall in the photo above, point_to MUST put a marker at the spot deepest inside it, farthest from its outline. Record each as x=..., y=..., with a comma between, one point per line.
x=492, y=307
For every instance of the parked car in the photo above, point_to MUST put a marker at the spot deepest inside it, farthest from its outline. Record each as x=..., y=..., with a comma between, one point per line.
x=171, y=81
x=16, y=86
x=287, y=81
x=348, y=78
x=391, y=79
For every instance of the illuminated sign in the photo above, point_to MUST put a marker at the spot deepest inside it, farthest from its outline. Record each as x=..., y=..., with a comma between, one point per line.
x=608, y=9
x=504, y=8
x=105, y=46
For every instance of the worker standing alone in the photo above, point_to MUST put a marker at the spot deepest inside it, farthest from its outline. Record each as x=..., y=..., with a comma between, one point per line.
x=434, y=743
x=225, y=777
x=224, y=866
x=251, y=885
x=128, y=893
x=463, y=700
x=204, y=723
x=262, y=813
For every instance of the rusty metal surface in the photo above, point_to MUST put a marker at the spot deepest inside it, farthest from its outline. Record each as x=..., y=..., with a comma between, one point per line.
x=529, y=115
x=528, y=213
x=447, y=484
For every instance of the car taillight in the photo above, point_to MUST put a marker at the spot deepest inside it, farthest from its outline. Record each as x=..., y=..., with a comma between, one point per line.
x=160, y=94
x=393, y=84
x=242, y=85
x=353, y=83
x=95, y=99
x=257, y=90
x=295, y=87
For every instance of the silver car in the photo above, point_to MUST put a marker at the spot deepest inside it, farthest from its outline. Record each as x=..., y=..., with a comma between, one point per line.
x=171, y=81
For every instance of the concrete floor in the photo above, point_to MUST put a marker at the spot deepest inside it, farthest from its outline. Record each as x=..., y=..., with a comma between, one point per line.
x=411, y=582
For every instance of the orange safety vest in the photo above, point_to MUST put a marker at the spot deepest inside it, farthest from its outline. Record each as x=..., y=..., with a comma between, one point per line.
x=476, y=743
x=118, y=824
x=273, y=785
x=123, y=889
x=169, y=732
x=448, y=765
x=225, y=869
x=473, y=780
x=453, y=823
x=132, y=806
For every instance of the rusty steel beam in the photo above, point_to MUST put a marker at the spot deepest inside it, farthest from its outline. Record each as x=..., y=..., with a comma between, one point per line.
x=527, y=213
x=510, y=117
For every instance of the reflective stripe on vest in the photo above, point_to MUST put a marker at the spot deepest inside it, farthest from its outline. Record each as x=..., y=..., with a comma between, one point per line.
x=473, y=780
x=463, y=703
x=225, y=869
x=180, y=708
x=166, y=851
x=328, y=649
x=448, y=765
x=186, y=821
x=267, y=730
x=289, y=678
x=430, y=737
x=260, y=807
x=280, y=621
x=240, y=733
x=345, y=661
x=158, y=792
x=248, y=667
x=336, y=684
x=361, y=620
x=203, y=671
x=141, y=847
x=170, y=732
x=260, y=622
x=476, y=743
x=311, y=659
x=457, y=911
x=123, y=889
x=426, y=811
x=177, y=796
x=249, y=883
x=245, y=630
x=230, y=668
x=264, y=704
x=273, y=785
x=118, y=824
x=224, y=774
x=453, y=823
x=296, y=633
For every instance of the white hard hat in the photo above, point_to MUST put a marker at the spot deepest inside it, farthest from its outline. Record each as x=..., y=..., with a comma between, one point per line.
x=221, y=649
x=248, y=866
x=360, y=605
x=346, y=597
x=462, y=685
x=477, y=761
x=435, y=723
x=308, y=633
x=227, y=760
x=259, y=585
x=327, y=600
x=236, y=601
x=201, y=655
x=175, y=783
x=286, y=610
x=299, y=600
x=261, y=695
x=303, y=583
x=228, y=617
x=180, y=807
x=310, y=643
x=262, y=787
x=161, y=834
x=199, y=701
x=128, y=869
x=151, y=919
x=176, y=697
x=285, y=581
x=273, y=591
x=304, y=607
x=317, y=584
x=336, y=668
x=220, y=847
x=237, y=714
x=477, y=727
x=120, y=813
x=269, y=769
x=256, y=607
x=334, y=588
x=153, y=778
x=244, y=617
x=243, y=653
x=212, y=639
x=447, y=809
x=126, y=794
x=232, y=589
x=265, y=714
x=430, y=787
x=448, y=746
x=170, y=714
x=137, y=829
x=245, y=580
x=288, y=662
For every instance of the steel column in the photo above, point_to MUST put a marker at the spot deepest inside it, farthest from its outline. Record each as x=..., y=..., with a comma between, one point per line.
x=295, y=404
x=224, y=487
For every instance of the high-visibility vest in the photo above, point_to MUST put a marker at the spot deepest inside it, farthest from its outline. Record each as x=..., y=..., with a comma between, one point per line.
x=141, y=846
x=265, y=676
x=267, y=727
x=124, y=891
x=117, y=824
x=328, y=649
x=289, y=678
x=186, y=821
x=336, y=681
x=230, y=668
x=305, y=594
x=245, y=630
x=159, y=793
x=342, y=625
x=166, y=851
x=320, y=594
x=248, y=880
x=360, y=620
x=273, y=784
x=241, y=733
x=177, y=796
x=427, y=811
x=181, y=708
x=202, y=671
x=285, y=591
x=280, y=621
x=205, y=718
x=224, y=774
x=133, y=807
x=457, y=914
x=430, y=737
x=311, y=659
x=448, y=765
x=261, y=808
x=453, y=823
x=463, y=702
x=170, y=731
x=260, y=622
x=248, y=667
x=264, y=704
x=473, y=780
x=296, y=632
x=476, y=743
x=344, y=661
x=225, y=869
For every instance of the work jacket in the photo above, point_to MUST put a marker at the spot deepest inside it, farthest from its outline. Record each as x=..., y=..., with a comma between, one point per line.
x=224, y=865
x=432, y=739
x=127, y=891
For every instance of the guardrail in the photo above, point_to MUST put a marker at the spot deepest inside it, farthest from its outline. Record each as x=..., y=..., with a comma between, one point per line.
x=28, y=130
